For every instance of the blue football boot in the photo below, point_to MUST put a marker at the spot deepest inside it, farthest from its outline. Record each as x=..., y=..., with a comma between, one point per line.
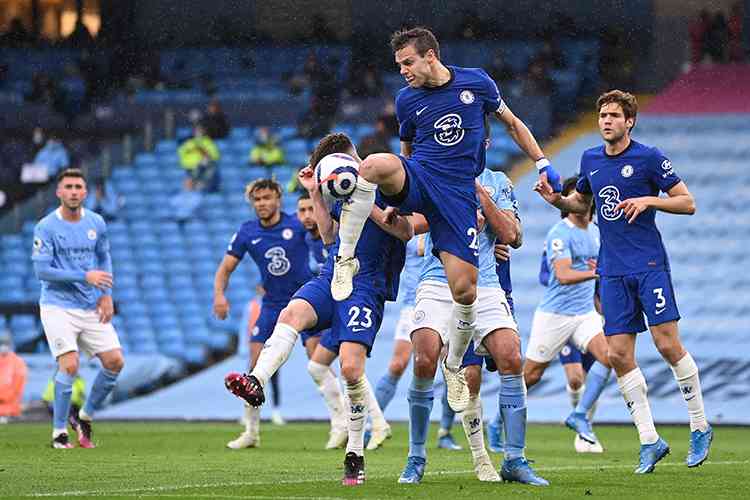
x=650, y=456
x=518, y=470
x=579, y=423
x=700, y=444
x=495, y=437
x=413, y=471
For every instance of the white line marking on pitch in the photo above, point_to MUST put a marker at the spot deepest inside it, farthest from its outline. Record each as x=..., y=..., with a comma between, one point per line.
x=157, y=489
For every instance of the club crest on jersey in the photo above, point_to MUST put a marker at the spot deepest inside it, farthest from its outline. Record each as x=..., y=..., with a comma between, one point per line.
x=565, y=351
x=287, y=234
x=466, y=96
x=448, y=131
x=91, y=234
x=627, y=171
x=419, y=316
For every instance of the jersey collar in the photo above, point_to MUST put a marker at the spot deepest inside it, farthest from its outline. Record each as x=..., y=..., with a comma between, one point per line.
x=446, y=84
x=58, y=213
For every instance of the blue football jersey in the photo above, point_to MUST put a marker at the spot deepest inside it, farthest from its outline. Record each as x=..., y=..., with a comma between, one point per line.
x=638, y=171
x=279, y=251
x=500, y=189
x=409, y=278
x=80, y=246
x=318, y=252
x=446, y=125
x=567, y=241
x=381, y=256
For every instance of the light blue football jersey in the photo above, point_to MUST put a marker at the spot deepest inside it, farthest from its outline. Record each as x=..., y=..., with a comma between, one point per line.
x=567, y=241
x=500, y=189
x=407, y=288
x=73, y=246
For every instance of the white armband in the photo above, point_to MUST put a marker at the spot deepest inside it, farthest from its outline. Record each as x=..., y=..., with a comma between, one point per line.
x=541, y=163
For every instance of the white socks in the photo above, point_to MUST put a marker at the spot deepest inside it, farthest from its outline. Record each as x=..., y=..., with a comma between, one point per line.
x=275, y=352
x=375, y=413
x=686, y=374
x=329, y=387
x=461, y=331
x=357, y=394
x=252, y=420
x=471, y=418
x=574, y=395
x=634, y=390
x=354, y=214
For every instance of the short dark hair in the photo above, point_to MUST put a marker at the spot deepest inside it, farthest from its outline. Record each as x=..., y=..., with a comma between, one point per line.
x=305, y=195
x=332, y=143
x=70, y=172
x=257, y=184
x=422, y=39
x=569, y=185
x=626, y=100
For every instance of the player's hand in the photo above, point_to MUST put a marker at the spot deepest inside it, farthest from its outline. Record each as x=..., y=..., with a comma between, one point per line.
x=105, y=308
x=592, y=264
x=390, y=214
x=100, y=279
x=545, y=191
x=633, y=207
x=307, y=179
x=502, y=251
x=481, y=220
x=221, y=306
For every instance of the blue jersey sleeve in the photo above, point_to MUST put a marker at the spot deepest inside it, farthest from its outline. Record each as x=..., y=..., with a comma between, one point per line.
x=44, y=246
x=558, y=246
x=492, y=100
x=661, y=171
x=406, y=127
x=237, y=245
x=583, y=185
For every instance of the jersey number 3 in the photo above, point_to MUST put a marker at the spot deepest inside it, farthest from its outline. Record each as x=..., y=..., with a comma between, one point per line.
x=279, y=264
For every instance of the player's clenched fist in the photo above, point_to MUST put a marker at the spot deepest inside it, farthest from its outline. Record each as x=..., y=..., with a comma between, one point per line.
x=221, y=306
x=307, y=179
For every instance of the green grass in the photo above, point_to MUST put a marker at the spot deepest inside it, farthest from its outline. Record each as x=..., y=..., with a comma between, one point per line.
x=188, y=460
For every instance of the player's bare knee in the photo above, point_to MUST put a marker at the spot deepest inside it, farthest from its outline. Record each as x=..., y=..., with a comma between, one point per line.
x=115, y=362
x=397, y=367
x=532, y=374
x=351, y=371
x=68, y=363
x=621, y=361
x=575, y=382
x=425, y=364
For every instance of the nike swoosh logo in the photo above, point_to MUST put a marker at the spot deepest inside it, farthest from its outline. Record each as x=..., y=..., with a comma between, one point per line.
x=688, y=399
x=355, y=330
x=255, y=241
x=471, y=434
x=594, y=171
x=419, y=112
x=657, y=312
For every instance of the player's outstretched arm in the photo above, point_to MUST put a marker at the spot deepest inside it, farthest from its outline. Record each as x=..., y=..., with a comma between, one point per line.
x=392, y=223
x=575, y=202
x=504, y=223
x=566, y=275
x=321, y=211
x=678, y=201
x=45, y=271
x=221, y=280
x=419, y=223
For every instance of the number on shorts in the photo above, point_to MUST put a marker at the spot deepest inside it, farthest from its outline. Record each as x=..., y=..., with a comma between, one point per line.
x=355, y=320
x=660, y=300
x=472, y=232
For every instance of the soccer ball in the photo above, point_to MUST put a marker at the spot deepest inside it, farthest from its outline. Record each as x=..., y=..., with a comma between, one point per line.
x=336, y=175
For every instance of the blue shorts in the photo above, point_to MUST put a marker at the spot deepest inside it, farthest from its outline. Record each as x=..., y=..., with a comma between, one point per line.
x=269, y=314
x=570, y=354
x=450, y=209
x=625, y=300
x=472, y=358
x=308, y=334
x=356, y=319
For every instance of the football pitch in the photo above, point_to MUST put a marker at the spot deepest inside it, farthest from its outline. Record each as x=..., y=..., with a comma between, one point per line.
x=189, y=460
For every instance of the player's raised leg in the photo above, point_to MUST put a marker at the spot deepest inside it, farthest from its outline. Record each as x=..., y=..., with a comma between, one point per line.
x=427, y=345
x=635, y=392
x=667, y=339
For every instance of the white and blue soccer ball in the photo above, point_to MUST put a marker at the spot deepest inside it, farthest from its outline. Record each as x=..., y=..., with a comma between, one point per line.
x=336, y=175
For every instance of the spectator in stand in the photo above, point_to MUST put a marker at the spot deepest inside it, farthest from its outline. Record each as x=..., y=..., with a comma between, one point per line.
x=16, y=36
x=12, y=379
x=266, y=151
x=367, y=82
x=53, y=155
x=215, y=121
x=390, y=120
x=499, y=70
x=736, y=40
x=105, y=201
x=717, y=38
x=698, y=30
x=198, y=156
x=377, y=142
x=537, y=80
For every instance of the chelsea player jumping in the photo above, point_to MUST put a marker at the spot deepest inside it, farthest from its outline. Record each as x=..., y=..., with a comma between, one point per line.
x=443, y=115
x=624, y=178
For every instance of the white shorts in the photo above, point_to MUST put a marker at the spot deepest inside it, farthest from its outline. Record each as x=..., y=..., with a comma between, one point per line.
x=73, y=329
x=550, y=332
x=434, y=309
x=404, y=325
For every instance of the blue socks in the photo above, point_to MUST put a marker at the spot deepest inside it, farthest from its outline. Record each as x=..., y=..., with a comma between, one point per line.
x=446, y=419
x=421, y=397
x=103, y=384
x=61, y=405
x=385, y=389
x=596, y=381
x=512, y=399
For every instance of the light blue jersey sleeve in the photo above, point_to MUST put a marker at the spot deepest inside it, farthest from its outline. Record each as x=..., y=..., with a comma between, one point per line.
x=557, y=245
x=103, y=257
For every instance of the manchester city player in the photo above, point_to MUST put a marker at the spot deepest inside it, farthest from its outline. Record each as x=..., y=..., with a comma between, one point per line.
x=276, y=243
x=624, y=178
x=496, y=335
x=567, y=312
x=443, y=116
x=354, y=321
x=71, y=258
